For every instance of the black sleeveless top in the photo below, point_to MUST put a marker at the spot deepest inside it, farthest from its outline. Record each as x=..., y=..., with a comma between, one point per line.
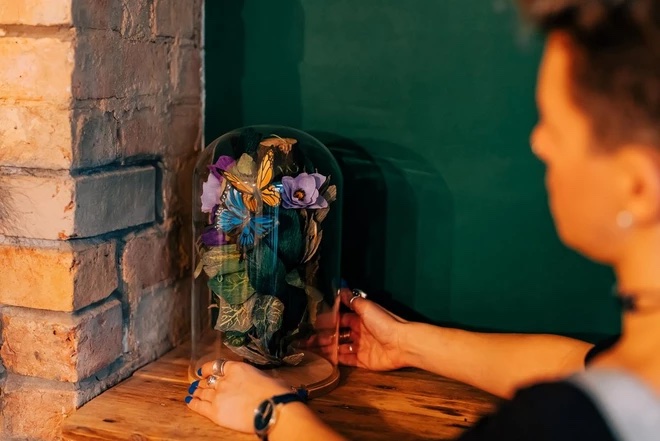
x=557, y=411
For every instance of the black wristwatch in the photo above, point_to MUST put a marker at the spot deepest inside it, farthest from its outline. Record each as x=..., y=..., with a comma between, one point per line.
x=265, y=415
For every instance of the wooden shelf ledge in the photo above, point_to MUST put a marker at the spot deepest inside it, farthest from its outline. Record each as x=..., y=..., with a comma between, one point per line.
x=403, y=405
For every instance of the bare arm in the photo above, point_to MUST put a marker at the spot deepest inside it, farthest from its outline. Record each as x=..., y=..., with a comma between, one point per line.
x=497, y=363
x=297, y=422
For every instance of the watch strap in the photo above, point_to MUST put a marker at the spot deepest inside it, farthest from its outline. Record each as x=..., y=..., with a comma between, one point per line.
x=282, y=399
x=287, y=398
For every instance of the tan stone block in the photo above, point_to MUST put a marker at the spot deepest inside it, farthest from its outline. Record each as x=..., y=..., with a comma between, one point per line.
x=185, y=133
x=97, y=14
x=95, y=273
x=49, y=288
x=41, y=206
x=143, y=132
x=136, y=19
x=61, y=346
x=58, y=206
x=177, y=192
x=145, y=68
x=184, y=138
x=174, y=18
x=35, y=135
x=34, y=409
x=2, y=414
x=35, y=12
x=114, y=200
x=65, y=277
x=97, y=53
x=138, y=68
x=147, y=259
x=186, y=72
x=95, y=138
x=159, y=320
x=37, y=69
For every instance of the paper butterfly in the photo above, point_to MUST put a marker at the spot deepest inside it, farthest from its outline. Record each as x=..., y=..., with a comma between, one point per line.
x=269, y=193
x=236, y=218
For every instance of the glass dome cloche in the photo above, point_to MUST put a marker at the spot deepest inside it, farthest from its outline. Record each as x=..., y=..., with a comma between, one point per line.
x=267, y=235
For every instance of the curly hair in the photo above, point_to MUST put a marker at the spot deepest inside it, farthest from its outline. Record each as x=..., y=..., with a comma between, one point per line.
x=615, y=70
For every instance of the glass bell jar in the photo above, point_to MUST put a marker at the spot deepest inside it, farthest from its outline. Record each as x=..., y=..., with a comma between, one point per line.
x=267, y=235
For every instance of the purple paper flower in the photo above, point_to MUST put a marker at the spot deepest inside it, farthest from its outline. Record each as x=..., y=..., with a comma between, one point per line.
x=211, y=188
x=223, y=163
x=211, y=237
x=303, y=191
x=210, y=193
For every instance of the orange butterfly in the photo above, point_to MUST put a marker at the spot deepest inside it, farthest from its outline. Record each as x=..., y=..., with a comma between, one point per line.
x=269, y=193
x=284, y=144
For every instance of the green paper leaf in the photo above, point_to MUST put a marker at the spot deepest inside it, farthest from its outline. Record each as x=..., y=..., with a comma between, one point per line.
x=313, y=240
x=246, y=165
x=235, y=317
x=235, y=338
x=294, y=359
x=198, y=269
x=255, y=352
x=290, y=237
x=266, y=271
x=224, y=259
x=267, y=316
x=251, y=355
x=321, y=214
x=293, y=279
x=312, y=236
x=233, y=288
x=330, y=194
x=314, y=298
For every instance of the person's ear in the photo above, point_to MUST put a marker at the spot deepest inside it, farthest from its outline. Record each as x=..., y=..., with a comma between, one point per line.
x=638, y=182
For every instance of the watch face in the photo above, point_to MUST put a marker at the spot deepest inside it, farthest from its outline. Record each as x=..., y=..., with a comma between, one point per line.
x=263, y=415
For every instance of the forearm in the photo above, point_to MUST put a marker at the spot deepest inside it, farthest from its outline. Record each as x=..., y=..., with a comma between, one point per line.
x=497, y=363
x=297, y=422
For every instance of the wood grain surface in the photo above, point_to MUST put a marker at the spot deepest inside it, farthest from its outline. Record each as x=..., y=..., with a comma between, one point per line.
x=408, y=404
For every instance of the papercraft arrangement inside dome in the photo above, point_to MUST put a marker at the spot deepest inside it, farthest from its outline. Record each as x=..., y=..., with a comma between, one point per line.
x=267, y=236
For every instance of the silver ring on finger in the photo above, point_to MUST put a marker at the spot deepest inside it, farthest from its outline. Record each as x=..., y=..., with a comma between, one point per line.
x=356, y=293
x=218, y=367
x=359, y=293
x=211, y=381
x=344, y=336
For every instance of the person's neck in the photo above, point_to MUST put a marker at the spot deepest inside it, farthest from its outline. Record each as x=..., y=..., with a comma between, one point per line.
x=638, y=269
x=638, y=276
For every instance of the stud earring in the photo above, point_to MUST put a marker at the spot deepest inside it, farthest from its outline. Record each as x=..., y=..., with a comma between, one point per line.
x=624, y=219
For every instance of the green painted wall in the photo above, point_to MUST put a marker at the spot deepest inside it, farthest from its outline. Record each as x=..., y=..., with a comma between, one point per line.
x=428, y=107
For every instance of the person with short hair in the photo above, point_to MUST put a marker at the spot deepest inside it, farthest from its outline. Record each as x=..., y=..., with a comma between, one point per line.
x=598, y=96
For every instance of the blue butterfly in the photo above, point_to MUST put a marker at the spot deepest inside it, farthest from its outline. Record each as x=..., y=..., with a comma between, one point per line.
x=237, y=217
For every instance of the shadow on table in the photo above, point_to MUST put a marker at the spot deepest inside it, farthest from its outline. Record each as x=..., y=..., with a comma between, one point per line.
x=363, y=410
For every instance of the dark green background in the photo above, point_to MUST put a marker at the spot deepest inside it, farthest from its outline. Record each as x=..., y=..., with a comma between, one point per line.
x=427, y=106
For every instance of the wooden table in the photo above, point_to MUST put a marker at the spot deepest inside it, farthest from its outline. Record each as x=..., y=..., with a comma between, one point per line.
x=404, y=405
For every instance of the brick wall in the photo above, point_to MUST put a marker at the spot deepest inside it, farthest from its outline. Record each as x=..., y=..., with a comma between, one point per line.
x=100, y=121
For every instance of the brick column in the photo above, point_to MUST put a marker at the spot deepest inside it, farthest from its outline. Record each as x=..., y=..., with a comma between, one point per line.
x=100, y=123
